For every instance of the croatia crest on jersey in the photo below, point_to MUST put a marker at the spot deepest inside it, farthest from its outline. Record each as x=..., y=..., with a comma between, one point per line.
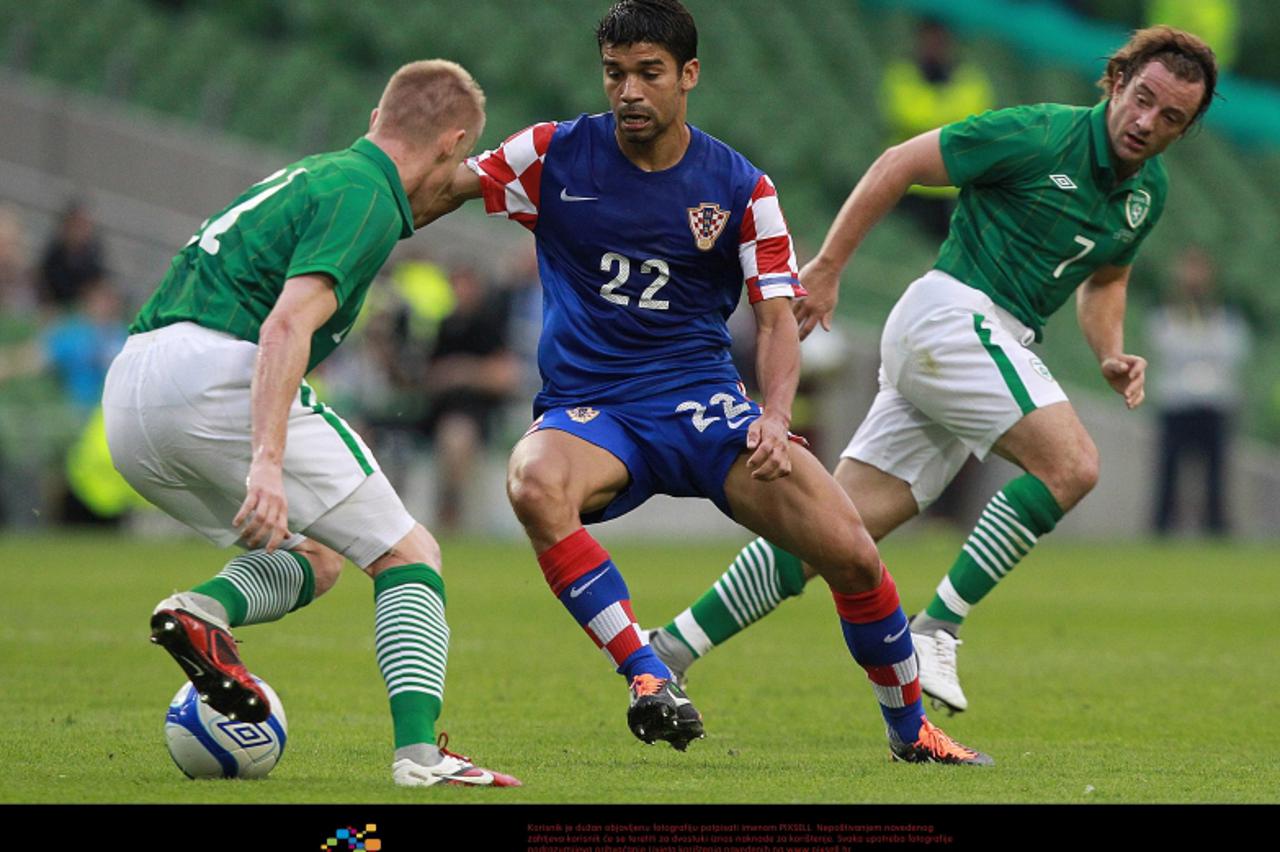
x=707, y=221
x=1136, y=207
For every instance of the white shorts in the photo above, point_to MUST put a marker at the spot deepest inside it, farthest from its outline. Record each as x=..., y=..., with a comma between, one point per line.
x=955, y=375
x=176, y=406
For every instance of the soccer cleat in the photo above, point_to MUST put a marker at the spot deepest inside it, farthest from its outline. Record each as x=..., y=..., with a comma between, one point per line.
x=933, y=746
x=664, y=646
x=661, y=711
x=936, y=654
x=206, y=651
x=455, y=769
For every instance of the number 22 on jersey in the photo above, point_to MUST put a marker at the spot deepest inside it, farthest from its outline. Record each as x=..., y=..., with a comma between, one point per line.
x=647, y=301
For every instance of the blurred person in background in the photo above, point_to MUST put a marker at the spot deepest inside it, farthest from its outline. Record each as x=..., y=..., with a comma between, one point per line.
x=72, y=258
x=77, y=347
x=1215, y=21
x=80, y=346
x=1198, y=349
x=17, y=297
x=929, y=90
x=471, y=373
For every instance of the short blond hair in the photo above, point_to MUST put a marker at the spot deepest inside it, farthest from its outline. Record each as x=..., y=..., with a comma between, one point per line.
x=1185, y=55
x=426, y=97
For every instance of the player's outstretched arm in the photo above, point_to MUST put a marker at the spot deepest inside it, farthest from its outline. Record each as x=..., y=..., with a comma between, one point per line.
x=464, y=186
x=916, y=161
x=778, y=371
x=1100, y=305
x=284, y=347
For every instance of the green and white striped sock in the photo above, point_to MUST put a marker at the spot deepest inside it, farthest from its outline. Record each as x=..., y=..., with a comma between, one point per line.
x=411, y=640
x=258, y=587
x=760, y=578
x=1010, y=526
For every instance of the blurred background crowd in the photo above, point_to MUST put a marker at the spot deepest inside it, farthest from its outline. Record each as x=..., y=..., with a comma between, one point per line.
x=440, y=370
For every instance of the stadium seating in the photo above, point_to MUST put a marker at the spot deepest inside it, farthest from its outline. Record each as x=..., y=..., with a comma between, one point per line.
x=791, y=85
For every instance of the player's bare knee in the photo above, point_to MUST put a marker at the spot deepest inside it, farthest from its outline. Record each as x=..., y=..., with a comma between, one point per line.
x=326, y=564
x=537, y=492
x=851, y=564
x=1074, y=475
x=327, y=569
x=866, y=565
x=419, y=547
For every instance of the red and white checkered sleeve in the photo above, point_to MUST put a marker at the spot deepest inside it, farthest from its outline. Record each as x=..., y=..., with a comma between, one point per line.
x=768, y=256
x=511, y=174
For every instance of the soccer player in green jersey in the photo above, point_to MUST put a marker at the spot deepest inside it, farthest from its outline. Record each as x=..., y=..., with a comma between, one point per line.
x=1054, y=200
x=208, y=417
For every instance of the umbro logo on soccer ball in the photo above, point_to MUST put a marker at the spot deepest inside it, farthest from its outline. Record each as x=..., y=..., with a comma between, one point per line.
x=1062, y=182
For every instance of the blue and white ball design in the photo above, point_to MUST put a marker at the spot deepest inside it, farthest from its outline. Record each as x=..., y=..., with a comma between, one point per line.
x=206, y=744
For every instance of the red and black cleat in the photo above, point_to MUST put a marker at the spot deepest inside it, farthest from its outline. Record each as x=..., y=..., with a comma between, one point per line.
x=207, y=653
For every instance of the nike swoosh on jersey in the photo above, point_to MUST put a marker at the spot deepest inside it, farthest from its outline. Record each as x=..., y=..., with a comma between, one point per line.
x=565, y=196
x=894, y=637
x=577, y=590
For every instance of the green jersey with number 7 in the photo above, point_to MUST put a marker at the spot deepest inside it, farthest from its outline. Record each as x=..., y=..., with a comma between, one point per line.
x=1041, y=205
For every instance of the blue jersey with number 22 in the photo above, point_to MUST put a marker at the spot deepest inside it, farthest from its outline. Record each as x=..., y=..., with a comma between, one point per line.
x=640, y=270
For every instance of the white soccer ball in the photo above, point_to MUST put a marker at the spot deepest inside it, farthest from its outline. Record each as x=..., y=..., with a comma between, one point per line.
x=206, y=744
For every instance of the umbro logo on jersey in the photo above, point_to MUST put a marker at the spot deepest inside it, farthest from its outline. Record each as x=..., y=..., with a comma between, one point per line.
x=582, y=414
x=707, y=221
x=1062, y=182
x=565, y=196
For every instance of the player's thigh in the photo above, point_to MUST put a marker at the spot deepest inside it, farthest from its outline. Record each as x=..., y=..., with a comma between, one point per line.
x=904, y=445
x=963, y=362
x=808, y=514
x=1052, y=444
x=552, y=470
x=884, y=501
x=368, y=523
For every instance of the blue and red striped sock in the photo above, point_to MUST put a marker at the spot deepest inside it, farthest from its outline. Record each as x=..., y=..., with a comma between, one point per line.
x=875, y=629
x=584, y=578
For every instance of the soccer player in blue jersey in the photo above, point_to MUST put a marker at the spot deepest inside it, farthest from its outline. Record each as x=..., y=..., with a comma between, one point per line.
x=647, y=229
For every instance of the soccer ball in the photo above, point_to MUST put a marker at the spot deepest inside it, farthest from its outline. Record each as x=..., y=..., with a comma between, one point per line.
x=206, y=744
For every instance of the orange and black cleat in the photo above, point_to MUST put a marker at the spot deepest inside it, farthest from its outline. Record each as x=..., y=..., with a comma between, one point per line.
x=661, y=711
x=933, y=746
x=207, y=653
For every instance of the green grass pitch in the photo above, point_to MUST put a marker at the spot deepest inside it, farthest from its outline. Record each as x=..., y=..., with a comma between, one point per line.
x=1100, y=673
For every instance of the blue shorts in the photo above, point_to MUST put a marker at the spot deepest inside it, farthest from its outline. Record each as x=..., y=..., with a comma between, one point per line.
x=680, y=443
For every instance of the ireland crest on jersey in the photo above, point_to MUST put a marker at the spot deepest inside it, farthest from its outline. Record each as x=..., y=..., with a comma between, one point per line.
x=706, y=221
x=1136, y=207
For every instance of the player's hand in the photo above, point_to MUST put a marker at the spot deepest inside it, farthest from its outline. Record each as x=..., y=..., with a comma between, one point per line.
x=822, y=281
x=263, y=519
x=1127, y=375
x=767, y=436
